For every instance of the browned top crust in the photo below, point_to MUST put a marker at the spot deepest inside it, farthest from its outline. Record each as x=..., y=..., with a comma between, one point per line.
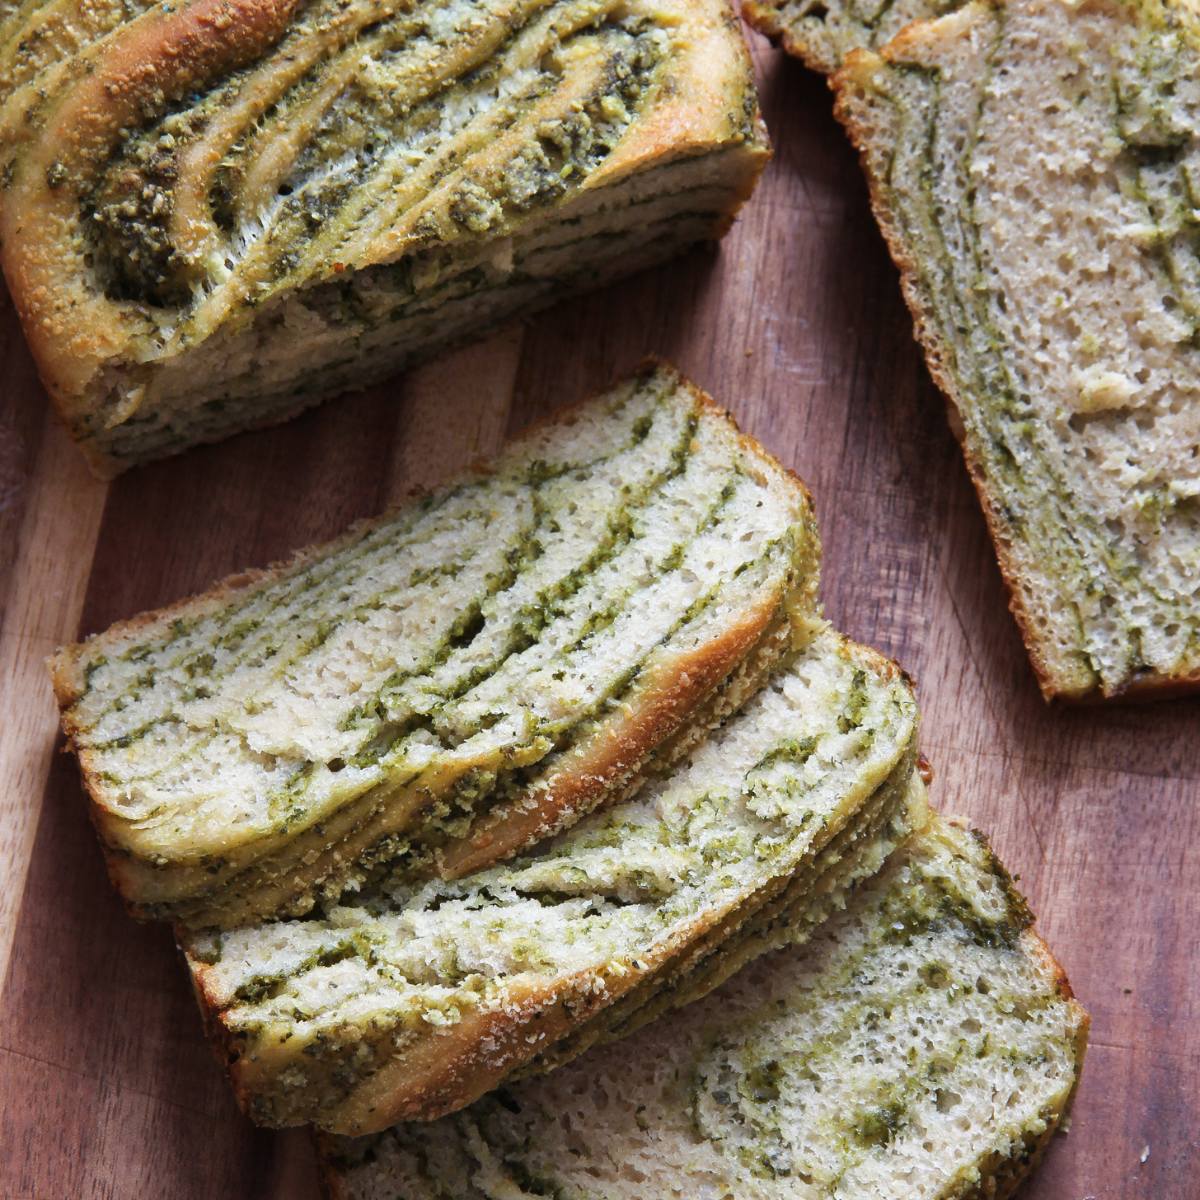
x=170, y=168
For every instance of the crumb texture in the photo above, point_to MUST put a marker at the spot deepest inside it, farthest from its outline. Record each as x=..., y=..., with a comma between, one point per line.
x=922, y=1044
x=475, y=670
x=1034, y=165
x=322, y=1015
x=216, y=211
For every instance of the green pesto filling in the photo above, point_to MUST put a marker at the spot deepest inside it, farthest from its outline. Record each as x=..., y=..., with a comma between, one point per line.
x=709, y=842
x=413, y=337
x=737, y=1085
x=328, y=581
x=365, y=142
x=1002, y=429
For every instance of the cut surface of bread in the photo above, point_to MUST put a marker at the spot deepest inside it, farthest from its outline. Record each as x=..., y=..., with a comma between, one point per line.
x=216, y=212
x=451, y=682
x=822, y=32
x=1034, y=167
x=922, y=1044
x=409, y=1001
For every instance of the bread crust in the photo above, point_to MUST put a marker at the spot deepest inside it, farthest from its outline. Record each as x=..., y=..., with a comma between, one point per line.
x=856, y=74
x=164, y=52
x=58, y=128
x=1003, y=1175
x=678, y=690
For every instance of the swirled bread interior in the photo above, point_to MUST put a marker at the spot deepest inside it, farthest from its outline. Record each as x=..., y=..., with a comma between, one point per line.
x=1034, y=165
x=923, y=1044
x=454, y=681
x=215, y=212
x=409, y=1001
x=822, y=32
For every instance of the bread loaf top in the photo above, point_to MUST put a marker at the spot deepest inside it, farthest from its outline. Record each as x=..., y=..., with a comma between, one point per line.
x=170, y=168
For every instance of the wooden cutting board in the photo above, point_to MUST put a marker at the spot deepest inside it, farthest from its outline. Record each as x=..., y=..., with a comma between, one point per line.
x=106, y=1086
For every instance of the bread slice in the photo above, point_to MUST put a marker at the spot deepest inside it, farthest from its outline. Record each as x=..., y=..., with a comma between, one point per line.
x=822, y=32
x=411, y=1001
x=216, y=213
x=924, y=1044
x=451, y=682
x=1033, y=165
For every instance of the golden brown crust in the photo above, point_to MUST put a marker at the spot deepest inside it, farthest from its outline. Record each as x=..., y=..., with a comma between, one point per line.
x=1003, y=1175
x=58, y=128
x=709, y=77
x=164, y=53
x=856, y=75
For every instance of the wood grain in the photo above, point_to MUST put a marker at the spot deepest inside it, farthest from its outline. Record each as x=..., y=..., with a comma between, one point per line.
x=106, y=1088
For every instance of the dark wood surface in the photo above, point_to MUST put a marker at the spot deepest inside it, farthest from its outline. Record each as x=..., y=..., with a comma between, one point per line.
x=796, y=324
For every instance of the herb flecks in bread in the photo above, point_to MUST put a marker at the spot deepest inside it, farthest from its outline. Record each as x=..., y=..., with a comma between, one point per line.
x=215, y=213
x=454, y=681
x=410, y=1001
x=1033, y=167
x=922, y=1044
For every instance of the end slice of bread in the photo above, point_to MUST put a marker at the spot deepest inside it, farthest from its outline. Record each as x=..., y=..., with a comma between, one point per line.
x=407, y=1001
x=923, y=1044
x=1033, y=165
x=454, y=681
x=216, y=214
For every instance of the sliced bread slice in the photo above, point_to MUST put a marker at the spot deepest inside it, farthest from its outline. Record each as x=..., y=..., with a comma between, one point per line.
x=454, y=681
x=923, y=1044
x=411, y=1001
x=215, y=214
x=1034, y=167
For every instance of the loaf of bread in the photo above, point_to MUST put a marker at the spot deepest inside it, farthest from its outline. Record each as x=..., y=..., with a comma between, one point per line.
x=822, y=32
x=454, y=681
x=1033, y=165
x=923, y=1045
x=215, y=212
x=410, y=1001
